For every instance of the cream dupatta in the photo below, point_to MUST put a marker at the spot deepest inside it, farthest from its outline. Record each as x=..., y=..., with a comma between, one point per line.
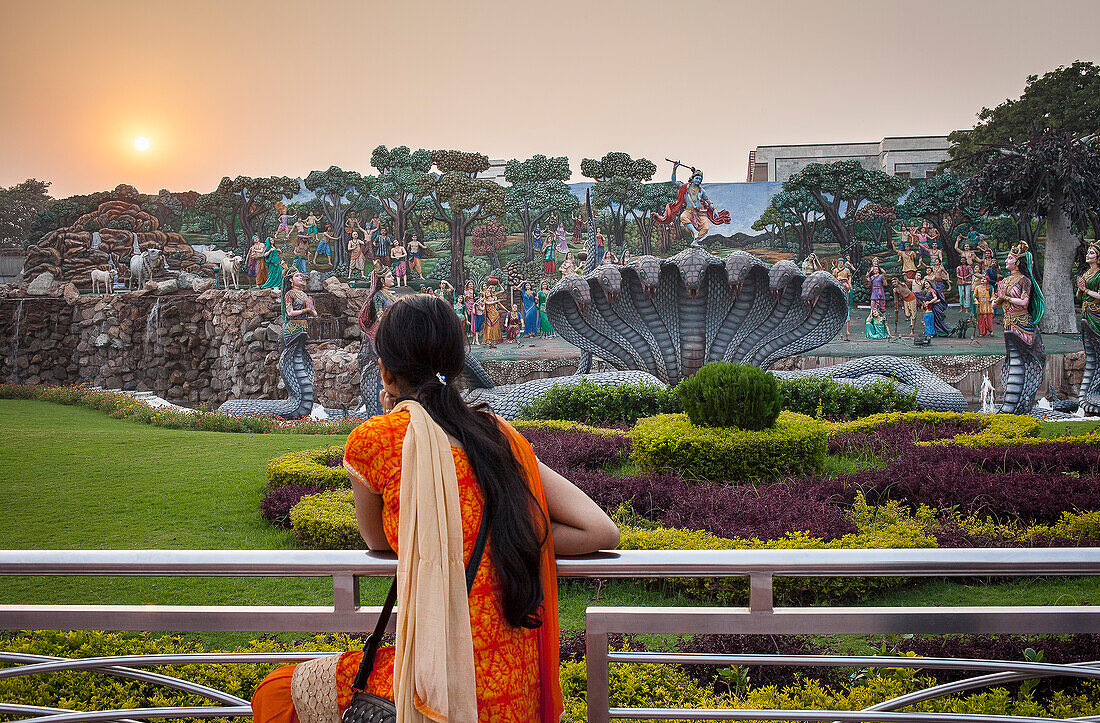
x=433, y=673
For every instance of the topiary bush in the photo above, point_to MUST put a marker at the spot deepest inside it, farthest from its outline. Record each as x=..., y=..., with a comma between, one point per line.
x=795, y=444
x=722, y=394
x=309, y=468
x=326, y=521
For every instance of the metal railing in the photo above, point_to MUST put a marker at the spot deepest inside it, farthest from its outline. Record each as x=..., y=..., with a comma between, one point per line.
x=761, y=567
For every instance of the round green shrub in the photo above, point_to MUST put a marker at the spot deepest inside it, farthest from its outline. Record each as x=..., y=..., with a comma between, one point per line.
x=310, y=467
x=326, y=521
x=730, y=395
x=795, y=444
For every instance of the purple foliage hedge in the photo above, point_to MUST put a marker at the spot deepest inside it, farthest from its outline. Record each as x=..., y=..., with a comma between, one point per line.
x=276, y=504
x=563, y=451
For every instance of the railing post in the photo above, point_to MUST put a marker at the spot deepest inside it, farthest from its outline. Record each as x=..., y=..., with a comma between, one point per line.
x=345, y=592
x=595, y=663
x=760, y=592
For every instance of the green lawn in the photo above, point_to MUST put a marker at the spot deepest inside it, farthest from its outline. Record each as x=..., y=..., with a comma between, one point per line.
x=73, y=478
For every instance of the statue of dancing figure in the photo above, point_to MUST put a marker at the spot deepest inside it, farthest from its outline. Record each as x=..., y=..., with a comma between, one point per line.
x=692, y=205
x=1022, y=300
x=1088, y=286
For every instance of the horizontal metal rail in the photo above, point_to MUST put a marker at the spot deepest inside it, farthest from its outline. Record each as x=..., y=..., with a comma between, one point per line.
x=345, y=568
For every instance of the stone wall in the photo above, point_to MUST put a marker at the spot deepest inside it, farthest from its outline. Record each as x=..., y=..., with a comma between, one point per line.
x=189, y=347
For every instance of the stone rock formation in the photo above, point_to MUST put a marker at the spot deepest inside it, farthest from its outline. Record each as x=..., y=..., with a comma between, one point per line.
x=107, y=235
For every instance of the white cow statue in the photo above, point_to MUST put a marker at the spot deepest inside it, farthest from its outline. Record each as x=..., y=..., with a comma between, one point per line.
x=142, y=265
x=228, y=267
x=104, y=278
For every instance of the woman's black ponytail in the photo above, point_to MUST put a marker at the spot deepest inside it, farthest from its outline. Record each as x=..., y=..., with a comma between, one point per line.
x=420, y=340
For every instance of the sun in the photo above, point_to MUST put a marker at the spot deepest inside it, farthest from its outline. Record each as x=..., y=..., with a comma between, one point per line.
x=141, y=143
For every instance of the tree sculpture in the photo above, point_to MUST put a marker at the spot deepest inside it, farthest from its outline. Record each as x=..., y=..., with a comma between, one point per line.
x=1059, y=175
x=538, y=188
x=488, y=239
x=397, y=185
x=615, y=175
x=643, y=200
x=220, y=207
x=800, y=210
x=339, y=192
x=938, y=200
x=461, y=199
x=256, y=198
x=878, y=219
x=840, y=189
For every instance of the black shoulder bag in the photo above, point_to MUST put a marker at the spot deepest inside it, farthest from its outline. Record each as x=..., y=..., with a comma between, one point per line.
x=370, y=708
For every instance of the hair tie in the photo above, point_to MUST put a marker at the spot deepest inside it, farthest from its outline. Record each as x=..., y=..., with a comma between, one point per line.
x=442, y=379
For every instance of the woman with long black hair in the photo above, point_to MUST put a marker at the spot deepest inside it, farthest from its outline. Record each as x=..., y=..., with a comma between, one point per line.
x=424, y=475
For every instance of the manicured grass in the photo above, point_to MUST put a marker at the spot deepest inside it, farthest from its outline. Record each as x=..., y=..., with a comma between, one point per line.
x=1073, y=429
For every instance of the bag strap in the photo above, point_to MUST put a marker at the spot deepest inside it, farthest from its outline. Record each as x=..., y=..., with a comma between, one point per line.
x=370, y=647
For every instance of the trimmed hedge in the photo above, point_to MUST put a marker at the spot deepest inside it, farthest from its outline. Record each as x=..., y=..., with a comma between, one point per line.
x=123, y=406
x=562, y=425
x=670, y=442
x=626, y=404
x=326, y=521
x=309, y=467
x=825, y=397
x=592, y=404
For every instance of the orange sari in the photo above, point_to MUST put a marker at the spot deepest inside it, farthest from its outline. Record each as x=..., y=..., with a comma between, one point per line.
x=516, y=668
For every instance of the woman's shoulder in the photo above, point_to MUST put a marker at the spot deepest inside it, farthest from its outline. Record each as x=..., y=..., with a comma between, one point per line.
x=380, y=429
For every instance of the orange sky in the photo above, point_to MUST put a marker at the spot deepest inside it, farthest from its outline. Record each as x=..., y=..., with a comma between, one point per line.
x=259, y=88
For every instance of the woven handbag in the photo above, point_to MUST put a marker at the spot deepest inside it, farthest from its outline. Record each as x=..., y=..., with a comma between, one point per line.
x=370, y=708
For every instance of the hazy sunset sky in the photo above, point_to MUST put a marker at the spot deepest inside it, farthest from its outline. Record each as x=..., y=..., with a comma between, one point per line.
x=261, y=88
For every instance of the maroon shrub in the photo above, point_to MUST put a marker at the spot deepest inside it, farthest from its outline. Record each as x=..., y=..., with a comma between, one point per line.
x=276, y=504
x=562, y=451
x=767, y=512
x=892, y=439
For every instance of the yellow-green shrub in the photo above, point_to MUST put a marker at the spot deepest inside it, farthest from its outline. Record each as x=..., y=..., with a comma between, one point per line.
x=326, y=521
x=670, y=442
x=563, y=425
x=889, y=526
x=307, y=467
x=1071, y=525
x=993, y=429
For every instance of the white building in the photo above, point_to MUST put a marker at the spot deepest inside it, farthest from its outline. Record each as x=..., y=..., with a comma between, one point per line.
x=495, y=172
x=906, y=156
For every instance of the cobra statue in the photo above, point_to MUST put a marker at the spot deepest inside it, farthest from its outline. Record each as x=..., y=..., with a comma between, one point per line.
x=670, y=317
x=296, y=368
x=1022, y=299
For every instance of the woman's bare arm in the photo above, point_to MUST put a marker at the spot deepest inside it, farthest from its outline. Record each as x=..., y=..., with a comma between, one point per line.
x=368, y=516
x=577, y=523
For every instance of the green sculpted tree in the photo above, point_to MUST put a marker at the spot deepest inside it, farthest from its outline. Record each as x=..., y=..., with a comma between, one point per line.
x=840, y=189
x=397, y=185
x=616, y=175
x=937, y=200
x=461, y=199
x=800, y=210
x=1065, y=99
x=19, y=204
x=538, y=188
x=220, y=207
x=1060, y=174
x=641, y=199
x=256, y=199
x=339, y=192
